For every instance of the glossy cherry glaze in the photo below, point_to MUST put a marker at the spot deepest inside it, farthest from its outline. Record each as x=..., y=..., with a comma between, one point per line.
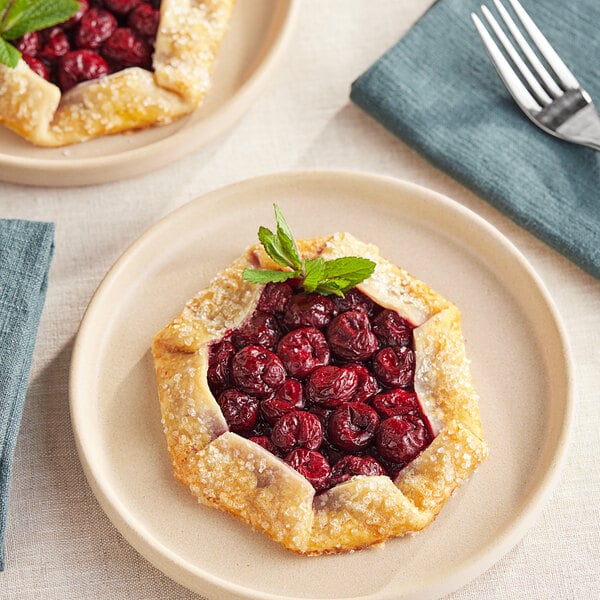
x=325, y=383
x=103, y=37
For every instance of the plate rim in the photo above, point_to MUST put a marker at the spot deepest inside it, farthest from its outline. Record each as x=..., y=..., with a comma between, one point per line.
x=170, y=148
x=180, y=570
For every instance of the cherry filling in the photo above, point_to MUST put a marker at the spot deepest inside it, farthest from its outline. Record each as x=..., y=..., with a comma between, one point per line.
x=103, y=37
x=326, y=384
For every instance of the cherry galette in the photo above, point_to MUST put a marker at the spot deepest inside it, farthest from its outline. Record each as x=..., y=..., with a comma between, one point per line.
x=116, y=65
x=329, y=423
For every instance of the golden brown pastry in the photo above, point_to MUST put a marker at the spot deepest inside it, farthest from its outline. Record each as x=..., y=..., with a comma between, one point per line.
x=232, y=463
x=188, y=38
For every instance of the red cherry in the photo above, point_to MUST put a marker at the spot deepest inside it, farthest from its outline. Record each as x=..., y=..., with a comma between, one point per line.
x=330, y=386
x=257, y=371
x=219, y=365
x=395, y=366
x=350, y=336
x=95, y=27
x=125, y=47
x=400, y=439
x=274, y=297
x=29, y=44
x=352, y=426
x=391, y=329
x=308, y=310
x=352, y=299
x=287, y=398
x=264, y=441
x=297, y=429
x=351, y=465
x=261, y=329
x=272, y=409
x=121, y=7
x=367, y=384
x=395, y=402
x=80, y=65
x=292, y=393
x=240, y=410
x=56, y=44
x=311, y=465
x=144, y=19
x=303, y=350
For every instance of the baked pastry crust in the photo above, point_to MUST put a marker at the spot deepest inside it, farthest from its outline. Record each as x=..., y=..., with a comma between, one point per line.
x=233, y=474
x=188, y=38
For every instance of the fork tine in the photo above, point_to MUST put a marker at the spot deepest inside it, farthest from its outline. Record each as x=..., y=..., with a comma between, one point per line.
x=514, y=85
x=536, y=88
x=566, y=78
x=535, y=62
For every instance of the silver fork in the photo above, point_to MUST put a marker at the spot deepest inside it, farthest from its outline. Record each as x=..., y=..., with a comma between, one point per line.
x=556, y=103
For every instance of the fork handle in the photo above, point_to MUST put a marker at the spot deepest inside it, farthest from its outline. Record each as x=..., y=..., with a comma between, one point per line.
x=583, y=128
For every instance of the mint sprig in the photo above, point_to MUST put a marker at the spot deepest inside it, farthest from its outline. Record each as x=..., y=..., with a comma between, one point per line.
x=18, y=17
x=318, y=275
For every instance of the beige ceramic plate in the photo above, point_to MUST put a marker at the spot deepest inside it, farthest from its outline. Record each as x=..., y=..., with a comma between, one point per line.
x=514, y=339
x=256, y=38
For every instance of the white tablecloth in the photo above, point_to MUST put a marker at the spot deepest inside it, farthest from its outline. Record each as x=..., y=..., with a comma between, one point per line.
x=60, y=544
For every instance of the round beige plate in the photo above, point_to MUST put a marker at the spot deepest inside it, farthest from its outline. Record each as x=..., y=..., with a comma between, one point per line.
x=258, y=33
x=514, y=339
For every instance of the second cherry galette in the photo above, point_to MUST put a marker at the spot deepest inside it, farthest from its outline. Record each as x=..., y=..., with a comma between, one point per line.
x=115, y=65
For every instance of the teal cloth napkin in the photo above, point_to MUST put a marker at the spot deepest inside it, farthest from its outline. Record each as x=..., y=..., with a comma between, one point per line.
x=26, y=249
x=437, y=90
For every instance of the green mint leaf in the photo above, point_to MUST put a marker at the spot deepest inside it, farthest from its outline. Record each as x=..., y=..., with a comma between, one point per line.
x=330, y=287
x=286, y=239
x=314, y=271
x=318, y=275
x=341, y=274
x=267, y=276
x=11, y=11
x=9, y=55
x=352, y=268
x=3, y=6
x=273, y=248
x=24, y=17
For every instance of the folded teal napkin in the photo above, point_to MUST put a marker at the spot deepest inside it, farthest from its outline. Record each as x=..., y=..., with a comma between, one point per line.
x=437, y=90
x=25, y=254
